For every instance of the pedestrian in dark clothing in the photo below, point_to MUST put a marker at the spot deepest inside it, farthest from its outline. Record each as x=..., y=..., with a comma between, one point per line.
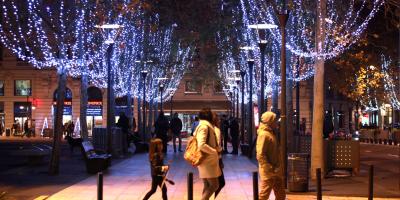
x=161, y=130
x=70, y=128
x=158, y=169
x=234, y=127
x=123, y=124
x=225, y=132
x=328, y=125
x=26, y=128
x=176, y=127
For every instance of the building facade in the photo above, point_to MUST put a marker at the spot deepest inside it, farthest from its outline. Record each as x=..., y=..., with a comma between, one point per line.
x=29, y=93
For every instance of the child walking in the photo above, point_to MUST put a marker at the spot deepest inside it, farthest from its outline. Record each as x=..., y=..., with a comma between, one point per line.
x=157, y=169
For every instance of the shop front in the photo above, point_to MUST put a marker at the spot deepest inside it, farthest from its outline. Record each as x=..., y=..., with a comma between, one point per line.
x=94, y=111
x=22, y=115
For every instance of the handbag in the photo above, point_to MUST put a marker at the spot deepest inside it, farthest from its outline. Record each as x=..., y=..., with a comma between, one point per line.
x=192, y=154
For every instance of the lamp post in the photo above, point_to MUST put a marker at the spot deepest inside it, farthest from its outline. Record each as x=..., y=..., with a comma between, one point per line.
x=262, y=44
x=242, y=74
x=250, y=63
x=144, y=74
x=161, y=96
x=110, y=99
x=111, y=31
x=283, y=17
x=171, y=92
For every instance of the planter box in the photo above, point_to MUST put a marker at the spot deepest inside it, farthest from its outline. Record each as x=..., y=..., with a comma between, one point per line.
x=343, y=154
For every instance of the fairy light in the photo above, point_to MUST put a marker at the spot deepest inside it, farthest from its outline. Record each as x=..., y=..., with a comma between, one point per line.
x=343, y=24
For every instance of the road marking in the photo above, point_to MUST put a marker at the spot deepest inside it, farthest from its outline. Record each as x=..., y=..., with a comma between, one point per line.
x=43, y=197
x=393, y=155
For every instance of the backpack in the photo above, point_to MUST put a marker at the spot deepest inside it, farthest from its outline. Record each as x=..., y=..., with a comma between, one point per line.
x=192, y=154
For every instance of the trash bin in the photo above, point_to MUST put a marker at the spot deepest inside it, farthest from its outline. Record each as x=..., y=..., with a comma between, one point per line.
x=8, y=132
x=298, y=172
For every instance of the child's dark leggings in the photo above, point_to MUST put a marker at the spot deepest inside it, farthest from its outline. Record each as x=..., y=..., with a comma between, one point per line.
x=156, y=181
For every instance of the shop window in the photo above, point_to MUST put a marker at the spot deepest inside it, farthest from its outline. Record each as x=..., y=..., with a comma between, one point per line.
x=22, y=88
x=1, y=87
x=193, y=87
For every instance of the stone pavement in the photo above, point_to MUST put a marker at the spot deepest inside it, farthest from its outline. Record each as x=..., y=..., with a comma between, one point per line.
x=131, y=179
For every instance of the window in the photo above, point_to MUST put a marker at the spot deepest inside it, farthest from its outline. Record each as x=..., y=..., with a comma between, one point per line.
x=218, y=87
x=193, y=87
x=1, y=87
x=22, y=88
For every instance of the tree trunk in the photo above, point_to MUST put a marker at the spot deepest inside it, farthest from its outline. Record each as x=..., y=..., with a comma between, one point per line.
x=55, y=154
x=317, y=150
x=110, y=99
x=83, y=108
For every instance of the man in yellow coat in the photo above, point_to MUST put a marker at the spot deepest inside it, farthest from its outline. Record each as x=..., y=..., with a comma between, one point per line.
x=268, y=158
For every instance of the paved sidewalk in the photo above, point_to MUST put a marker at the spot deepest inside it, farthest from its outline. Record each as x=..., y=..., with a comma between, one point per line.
x=131, y=179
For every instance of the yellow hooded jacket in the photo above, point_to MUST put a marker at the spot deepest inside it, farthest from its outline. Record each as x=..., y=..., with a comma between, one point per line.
x=267, y=148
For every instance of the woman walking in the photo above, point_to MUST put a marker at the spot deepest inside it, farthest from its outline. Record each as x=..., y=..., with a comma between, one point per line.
x=158, y=169
x=209, y=169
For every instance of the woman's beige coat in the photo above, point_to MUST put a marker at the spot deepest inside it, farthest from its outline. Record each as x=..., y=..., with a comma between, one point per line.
x=209, y=167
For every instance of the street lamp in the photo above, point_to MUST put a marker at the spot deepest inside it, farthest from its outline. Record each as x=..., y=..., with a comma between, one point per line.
x=171, y=93
x=237, y=98
x=283, y=17
x=250, y=63
x=161, y=88
x=242, y=74
x=232, y=104
x=262, y=44
x=144, y=74
x=161, y=96
x=111, y=31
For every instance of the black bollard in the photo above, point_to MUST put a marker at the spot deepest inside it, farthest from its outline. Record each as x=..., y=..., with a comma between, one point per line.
x=319, y=186
x=190, y=185
x=371, y=183
x=255, y=185
x=100, y=186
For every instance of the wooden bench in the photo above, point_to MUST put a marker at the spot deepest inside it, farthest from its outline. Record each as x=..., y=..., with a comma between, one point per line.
x=96, y=161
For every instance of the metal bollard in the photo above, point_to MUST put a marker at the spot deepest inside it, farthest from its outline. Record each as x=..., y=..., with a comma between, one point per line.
x=319, y=185
x=255, y=185
x=371, y=183
x=100, y=186
x=190, y=185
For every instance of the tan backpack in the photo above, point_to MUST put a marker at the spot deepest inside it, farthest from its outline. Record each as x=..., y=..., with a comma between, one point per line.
x=192, y=154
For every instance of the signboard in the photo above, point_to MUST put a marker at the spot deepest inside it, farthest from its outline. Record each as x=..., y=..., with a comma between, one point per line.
x=94, y=108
